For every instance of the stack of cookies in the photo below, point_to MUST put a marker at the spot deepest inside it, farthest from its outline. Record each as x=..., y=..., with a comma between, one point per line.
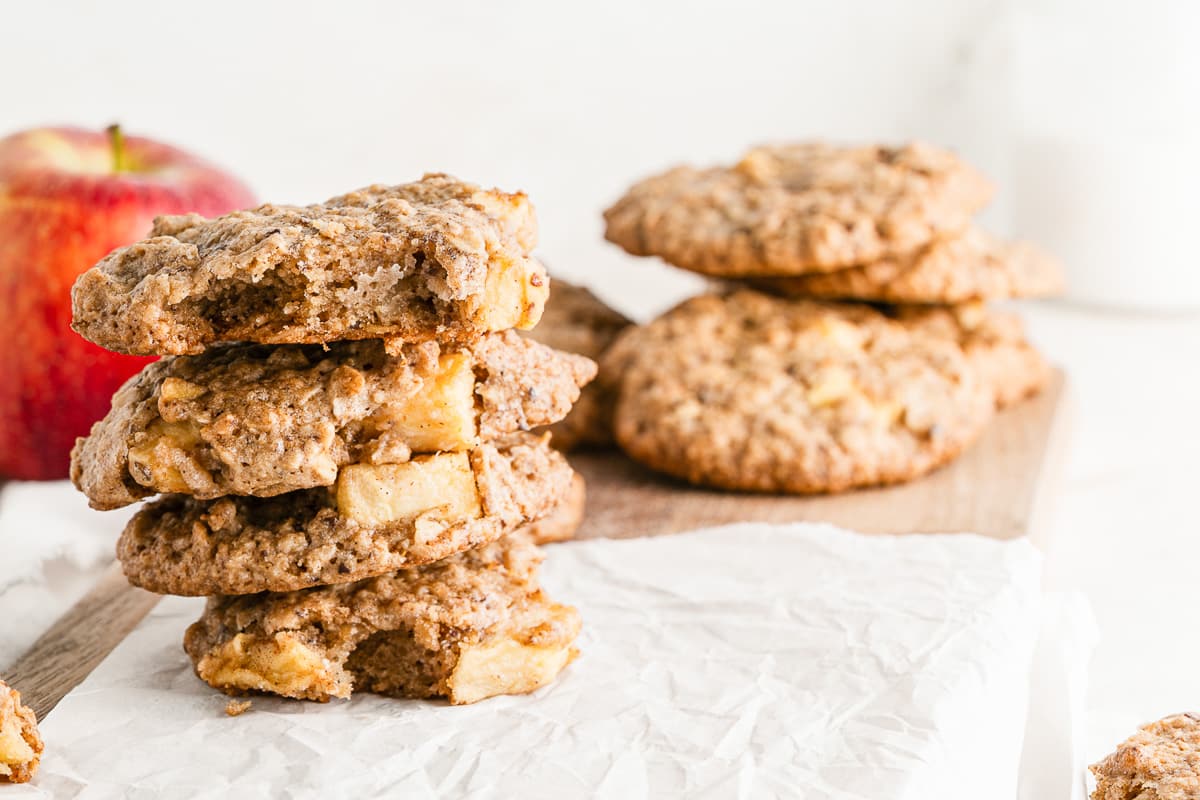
x=339, y=432
x=847, y=342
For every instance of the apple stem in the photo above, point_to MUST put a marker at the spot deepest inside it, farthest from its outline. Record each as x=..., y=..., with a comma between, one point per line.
x=117, y=140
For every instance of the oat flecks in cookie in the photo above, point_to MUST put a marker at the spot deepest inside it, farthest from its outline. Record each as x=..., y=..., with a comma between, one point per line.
x=994, y=343
x=577, y=321
x=264, y=420
x=751, y=392
x=434, y=259
x=20, y=744
x=367, y=525
x=1159, y=762
x=468, y=627
x=799, y=208
x=973, y=266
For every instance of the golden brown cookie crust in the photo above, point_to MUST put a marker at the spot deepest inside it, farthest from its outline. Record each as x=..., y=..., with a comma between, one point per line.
x=434, y=259
x=1159, y=762
x=564, y=519
x=20, y=743
x=798, y=208
x=973, y=266
x=239, y=545
x=403, y=634
x=263, y=420
x=577, y=321
x=751, y=392
x=994, y=343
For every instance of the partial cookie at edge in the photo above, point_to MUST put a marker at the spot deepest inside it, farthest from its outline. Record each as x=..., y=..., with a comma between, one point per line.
x=1159, y=762
x=21, y=745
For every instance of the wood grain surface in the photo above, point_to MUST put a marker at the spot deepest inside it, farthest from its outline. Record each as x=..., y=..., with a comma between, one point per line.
x=997, y=488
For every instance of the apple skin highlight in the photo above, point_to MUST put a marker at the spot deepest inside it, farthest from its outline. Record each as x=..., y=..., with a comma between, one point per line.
x=63, y=207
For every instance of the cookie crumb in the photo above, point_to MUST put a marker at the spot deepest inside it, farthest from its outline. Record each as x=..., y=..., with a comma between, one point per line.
x=235, y=708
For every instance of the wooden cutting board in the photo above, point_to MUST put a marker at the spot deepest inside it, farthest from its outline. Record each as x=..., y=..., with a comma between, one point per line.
x=998, y=488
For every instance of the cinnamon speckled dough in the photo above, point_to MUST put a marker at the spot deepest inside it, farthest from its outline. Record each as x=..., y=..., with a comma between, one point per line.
x=564, y=519
x=994, y=343
x=577, y=321
x=1159, y=762
x=467, y=627
x=974, y=266
x=259, y=420
x=434, y=259
x=239, y=545
x=751, y=392
x=20, y=743
x=795, y=209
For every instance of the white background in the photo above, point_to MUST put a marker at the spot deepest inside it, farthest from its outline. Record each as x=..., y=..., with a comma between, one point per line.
x=1082, y=112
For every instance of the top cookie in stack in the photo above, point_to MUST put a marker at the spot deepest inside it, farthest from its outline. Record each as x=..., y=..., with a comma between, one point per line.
x=342, y=400
x=776, y=387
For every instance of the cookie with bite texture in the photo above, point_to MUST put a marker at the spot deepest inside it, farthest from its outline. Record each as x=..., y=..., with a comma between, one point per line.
x=434, y=259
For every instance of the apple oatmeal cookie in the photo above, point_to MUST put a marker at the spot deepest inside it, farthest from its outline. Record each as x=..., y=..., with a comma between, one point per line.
x=434, y=259
x=375, y=519
x=751, y=392
x=471, y=626
x=259, y=420
x=20, y=744
x=1159, y=762
x=795, y=209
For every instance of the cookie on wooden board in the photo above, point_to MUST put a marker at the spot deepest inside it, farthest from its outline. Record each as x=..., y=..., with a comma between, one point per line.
x=752, y=392
x=795, y=209
x=434, y=259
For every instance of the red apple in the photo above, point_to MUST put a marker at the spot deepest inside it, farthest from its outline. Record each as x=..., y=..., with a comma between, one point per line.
x=68, y=197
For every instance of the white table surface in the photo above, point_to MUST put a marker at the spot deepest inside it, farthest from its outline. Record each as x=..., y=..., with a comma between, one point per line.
x=1125, y=528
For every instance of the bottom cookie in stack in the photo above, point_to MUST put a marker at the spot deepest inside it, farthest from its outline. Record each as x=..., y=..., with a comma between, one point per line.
x=466, y=628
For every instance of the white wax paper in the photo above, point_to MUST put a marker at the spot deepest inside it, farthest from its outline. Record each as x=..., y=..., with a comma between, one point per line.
x=47, y=533
x=747, y=661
